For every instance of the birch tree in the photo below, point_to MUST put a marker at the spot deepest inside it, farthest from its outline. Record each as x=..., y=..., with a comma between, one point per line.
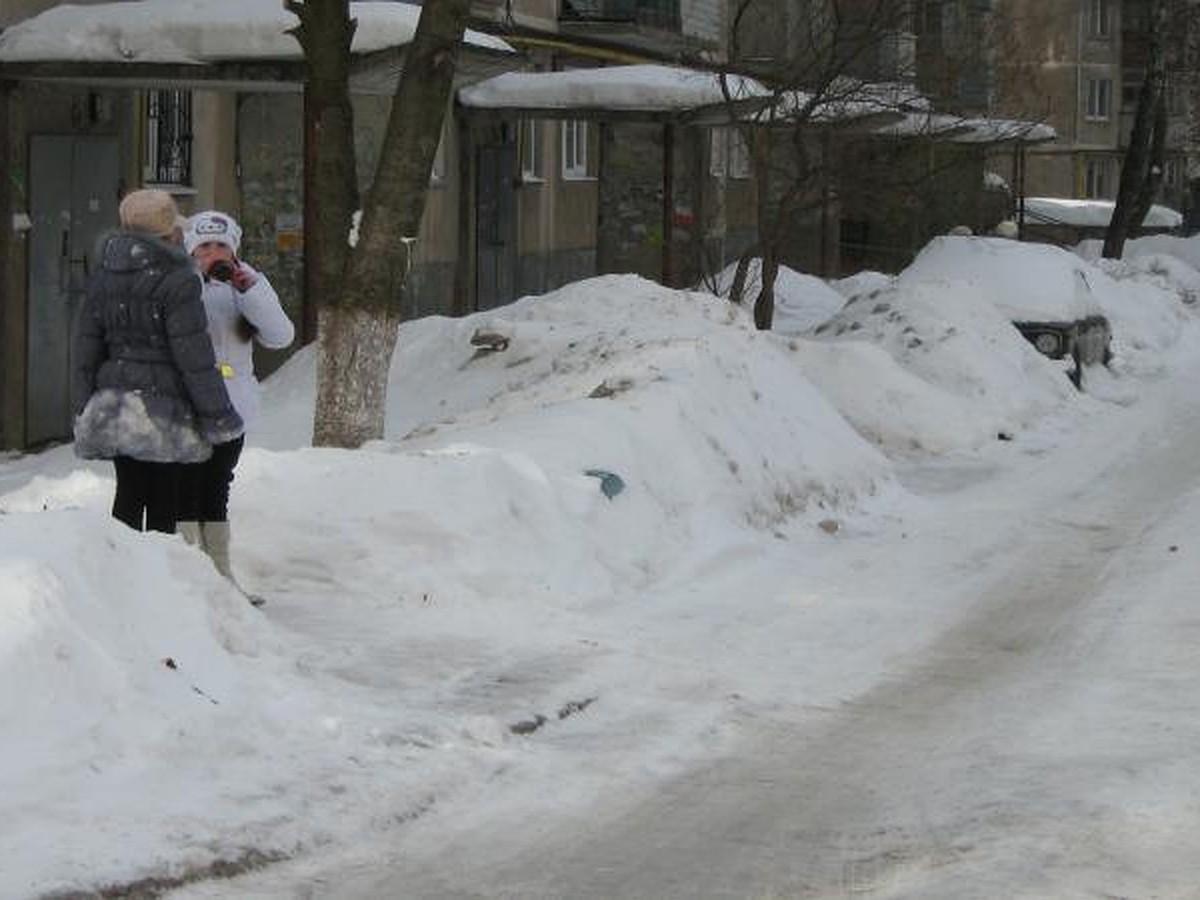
x=358, y=288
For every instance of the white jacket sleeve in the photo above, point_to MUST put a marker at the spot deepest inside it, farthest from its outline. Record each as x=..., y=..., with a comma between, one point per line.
x=260, y=305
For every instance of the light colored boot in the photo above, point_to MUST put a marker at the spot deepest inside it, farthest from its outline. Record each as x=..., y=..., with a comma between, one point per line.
x=191, y=533
x=216, y=545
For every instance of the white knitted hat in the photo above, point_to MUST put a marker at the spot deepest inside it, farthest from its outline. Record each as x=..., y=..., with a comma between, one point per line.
x=213, y=226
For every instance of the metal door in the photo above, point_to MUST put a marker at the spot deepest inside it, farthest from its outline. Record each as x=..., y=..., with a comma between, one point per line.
x=73, y=185
x=496, y=226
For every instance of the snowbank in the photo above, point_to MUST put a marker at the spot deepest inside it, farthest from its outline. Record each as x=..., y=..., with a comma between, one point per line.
x=533, y=532
x=933, y=366
x=801, y=301
x=1026, y=282
x=1186, y=249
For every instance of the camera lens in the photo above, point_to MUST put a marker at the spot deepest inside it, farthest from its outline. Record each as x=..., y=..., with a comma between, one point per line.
x=221, y=270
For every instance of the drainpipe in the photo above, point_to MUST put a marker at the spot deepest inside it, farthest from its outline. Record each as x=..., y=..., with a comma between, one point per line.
x=7, y=419
x=1019, y=159
x=464, y=273
x=1077, y=106
x=668, y=208
x=308, y=318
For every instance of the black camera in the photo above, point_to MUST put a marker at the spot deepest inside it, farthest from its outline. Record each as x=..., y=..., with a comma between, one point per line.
x=221, y=270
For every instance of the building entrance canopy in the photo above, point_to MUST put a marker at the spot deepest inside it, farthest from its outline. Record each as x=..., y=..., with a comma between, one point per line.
x=215, y=44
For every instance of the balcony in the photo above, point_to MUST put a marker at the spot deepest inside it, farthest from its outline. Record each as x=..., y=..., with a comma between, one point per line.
x=658, y=14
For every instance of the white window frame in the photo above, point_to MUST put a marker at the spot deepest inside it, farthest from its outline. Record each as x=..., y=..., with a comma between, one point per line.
x=1098, y=107
x=574, y=150
x=718, y=151
x=729, y=154
x=739, y=155
x=1097, y=173
x=531, y=151
x=1100, y=19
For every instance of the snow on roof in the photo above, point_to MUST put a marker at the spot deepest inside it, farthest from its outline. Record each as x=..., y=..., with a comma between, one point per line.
x=1091, y=213
x=985, y=130
x=968, y=130
x=643, y=88
x=197, y=31
x=847, y=99
x=914, y=124
x=906, y=113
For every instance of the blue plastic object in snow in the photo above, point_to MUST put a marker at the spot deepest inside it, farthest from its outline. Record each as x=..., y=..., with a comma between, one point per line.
x=611, y=484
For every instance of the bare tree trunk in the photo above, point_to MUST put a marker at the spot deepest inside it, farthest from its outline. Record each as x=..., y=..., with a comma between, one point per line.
x=737, y=290
x=10, y=424
x=355, y=351
x=1157, y=161
x=361, y=314
x=764, y=305
x=1136, y=169
x=325, y=33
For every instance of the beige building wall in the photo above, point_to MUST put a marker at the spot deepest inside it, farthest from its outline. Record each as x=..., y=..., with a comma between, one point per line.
x=1052, y=60
x=214, y=148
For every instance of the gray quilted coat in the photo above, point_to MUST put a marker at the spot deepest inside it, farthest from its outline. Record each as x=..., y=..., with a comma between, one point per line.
x=144, y=380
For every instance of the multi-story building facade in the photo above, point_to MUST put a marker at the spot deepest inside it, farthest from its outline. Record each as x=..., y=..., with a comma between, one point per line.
x=1060, y=63
x=1078, y=65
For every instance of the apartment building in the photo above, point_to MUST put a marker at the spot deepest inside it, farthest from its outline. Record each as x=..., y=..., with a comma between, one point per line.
x=521, y=199
x=517, y=203
x=1078, y=65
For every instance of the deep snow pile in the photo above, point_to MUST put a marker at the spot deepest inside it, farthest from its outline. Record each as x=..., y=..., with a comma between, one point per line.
x=1025, y=282
x=735, y=425
x=475, y=529
x=468, y=574
x=929, y=362
x=801, y=301
x=945, y=356
x=1185, y=249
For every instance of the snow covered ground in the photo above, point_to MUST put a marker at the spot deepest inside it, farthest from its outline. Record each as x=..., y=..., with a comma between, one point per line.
x=461, y=615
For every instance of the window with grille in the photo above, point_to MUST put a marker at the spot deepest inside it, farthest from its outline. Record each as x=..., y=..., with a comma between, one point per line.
x=168, y=150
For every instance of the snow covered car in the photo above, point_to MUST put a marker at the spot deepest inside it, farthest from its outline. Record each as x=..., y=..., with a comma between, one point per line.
x=1043, y=290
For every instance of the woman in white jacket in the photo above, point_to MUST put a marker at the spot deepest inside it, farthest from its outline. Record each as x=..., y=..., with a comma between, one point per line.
x=243, y=309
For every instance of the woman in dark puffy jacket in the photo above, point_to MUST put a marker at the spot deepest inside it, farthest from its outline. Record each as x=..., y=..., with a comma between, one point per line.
x=146, y=389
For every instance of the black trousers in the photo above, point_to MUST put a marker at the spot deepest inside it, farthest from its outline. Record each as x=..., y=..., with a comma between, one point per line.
x=148, y=494
x=205, y=493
